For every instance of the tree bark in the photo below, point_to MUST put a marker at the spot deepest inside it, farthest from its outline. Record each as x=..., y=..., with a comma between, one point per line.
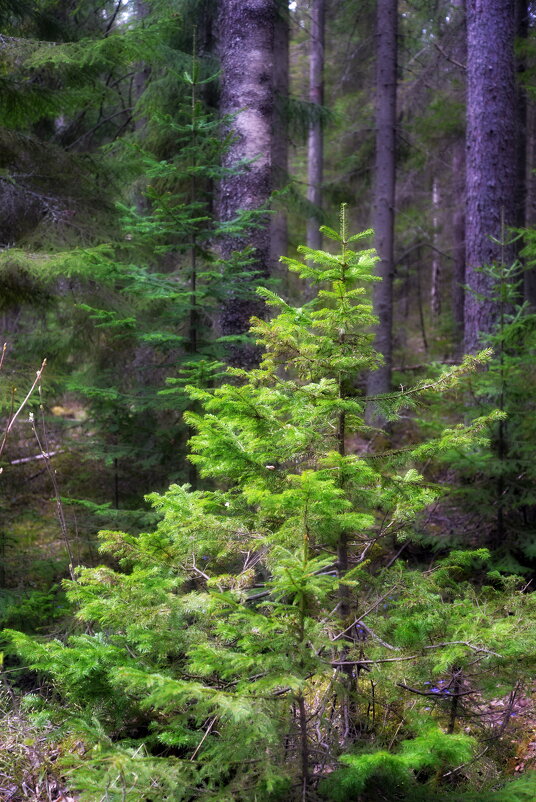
x=530, y=213
x=491, y=167
x=143, y=70
x=246, y=42
x=278, y=223
x=459, y=55
x=379, y=381
x=521, y=27
x=315, y=155
x=525, y=164
x=435, y=290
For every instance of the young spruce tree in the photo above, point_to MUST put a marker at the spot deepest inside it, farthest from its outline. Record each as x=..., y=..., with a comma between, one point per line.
x=243, y=646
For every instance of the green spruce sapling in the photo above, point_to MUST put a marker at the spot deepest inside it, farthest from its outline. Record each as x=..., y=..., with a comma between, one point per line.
x=254, y=635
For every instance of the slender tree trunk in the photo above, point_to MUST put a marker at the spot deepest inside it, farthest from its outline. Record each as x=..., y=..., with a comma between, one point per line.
x=384, y=190
x=491, y=167
x=246, y=41
x=278, y=223
x=143, y=70
x=459, y=55
x=530, y=212
x=522, y=27
x=435, y=291
x=526, y=147
x=458, y=233
x=315, y=155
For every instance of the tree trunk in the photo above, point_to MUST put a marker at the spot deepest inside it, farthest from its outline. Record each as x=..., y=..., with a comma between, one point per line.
x=458, y=233
x=530, y=213
x=491, y=167
x=246, y=41
x=522, y=27
x=384, y=189
x=459, y=55
x=278, y=222
x=525, y=165
x=315, y=156
x=435, y=290
x=143, y=70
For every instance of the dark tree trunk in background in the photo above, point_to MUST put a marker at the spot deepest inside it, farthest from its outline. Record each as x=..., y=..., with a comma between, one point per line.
x=530, y=213
x=278, y=222
x=143, y=71
x=246, y=42
x=521, y=27
x=379, y=381
x=459, y=55
x=435, y=289
x=525, y=162
x=315, y=155
x=491, y=168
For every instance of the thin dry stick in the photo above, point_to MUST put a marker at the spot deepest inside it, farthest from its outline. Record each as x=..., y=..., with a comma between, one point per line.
x=59, y=505
x=14, y=417
x=373, y=662
x=24, y=460
x=463, y=765
x=463, y=643
x=200, y=744
x=4, y=349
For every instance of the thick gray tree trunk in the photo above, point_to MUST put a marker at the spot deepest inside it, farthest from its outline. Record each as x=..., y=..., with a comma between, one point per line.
x=315, y=154
x=379, y=381
x=278, y=223
x=491, y=167
x=246, y=42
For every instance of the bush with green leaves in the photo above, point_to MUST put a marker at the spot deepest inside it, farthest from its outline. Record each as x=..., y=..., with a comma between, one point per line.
x=263, y=629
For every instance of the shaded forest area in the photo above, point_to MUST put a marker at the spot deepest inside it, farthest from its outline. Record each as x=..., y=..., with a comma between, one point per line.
x=268, y=438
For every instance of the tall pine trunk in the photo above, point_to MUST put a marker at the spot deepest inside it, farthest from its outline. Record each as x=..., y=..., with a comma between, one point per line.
x=278, y=222
x=459, y=56
x=435, y=290
x=315, y=155
x=384, y=187
x=521, y=28
x=246, y=43
x=491, y=167
x=530, y=212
